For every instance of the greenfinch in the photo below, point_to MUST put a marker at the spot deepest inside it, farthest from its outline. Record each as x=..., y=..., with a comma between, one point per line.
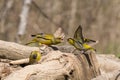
x=79, y=42
x=47, y=39
x=34, y=57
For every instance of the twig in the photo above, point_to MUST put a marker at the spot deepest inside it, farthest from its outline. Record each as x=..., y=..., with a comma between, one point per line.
x=46, y=16
x=21, y=61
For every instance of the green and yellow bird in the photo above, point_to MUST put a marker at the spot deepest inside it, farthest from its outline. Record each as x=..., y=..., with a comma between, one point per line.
x=47, y=39
x=34, y=57
x=79, y=42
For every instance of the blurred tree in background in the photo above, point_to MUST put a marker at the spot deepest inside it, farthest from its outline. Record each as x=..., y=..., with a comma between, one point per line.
x=100, y=20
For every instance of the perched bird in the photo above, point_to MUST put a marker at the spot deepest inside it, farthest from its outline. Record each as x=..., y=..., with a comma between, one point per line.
x=47, y=39
x=34, y=57
x=79, y=42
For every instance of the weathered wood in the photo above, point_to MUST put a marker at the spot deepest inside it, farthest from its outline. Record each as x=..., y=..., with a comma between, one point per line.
x=90, y=64
x=21, y=61
x=12, y=50
x=6, y=69
x=115, y=75
x=57, y=65
x=108, y=64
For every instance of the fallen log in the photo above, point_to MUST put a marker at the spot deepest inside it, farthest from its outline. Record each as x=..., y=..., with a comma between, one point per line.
x=57, y=65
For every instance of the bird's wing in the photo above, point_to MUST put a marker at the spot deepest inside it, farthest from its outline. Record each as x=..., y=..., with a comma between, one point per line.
x=33, y=43
x=38, y=34
x=78, y=34
x=43, y=36
x=79, y=43
x=89, y=41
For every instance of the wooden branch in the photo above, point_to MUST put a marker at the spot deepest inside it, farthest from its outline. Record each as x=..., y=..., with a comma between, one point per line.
x=45, y=15
x=12, y=50
x=21, y=61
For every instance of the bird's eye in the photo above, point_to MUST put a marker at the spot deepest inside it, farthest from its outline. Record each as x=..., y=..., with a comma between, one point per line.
x=34, y=56
x=60, y=38
x=33, y=35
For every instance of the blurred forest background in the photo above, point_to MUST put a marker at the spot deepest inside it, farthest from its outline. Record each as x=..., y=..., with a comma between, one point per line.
x=100, y=20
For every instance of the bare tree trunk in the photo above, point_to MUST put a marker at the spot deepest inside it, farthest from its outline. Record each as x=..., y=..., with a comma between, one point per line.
x=4, y=13
x=23, y=19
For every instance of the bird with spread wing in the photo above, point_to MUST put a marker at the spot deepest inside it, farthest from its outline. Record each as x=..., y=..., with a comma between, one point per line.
x=79, y=42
